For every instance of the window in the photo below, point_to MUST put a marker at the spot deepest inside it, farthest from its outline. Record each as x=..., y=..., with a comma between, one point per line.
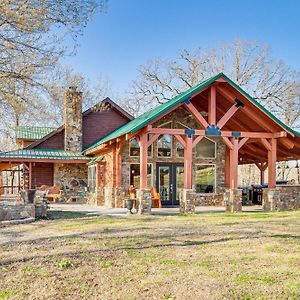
x=92, y=174
x=164, y=146
x=205, y=178
x=134, y=148
x=135, y=175
x=206, y=148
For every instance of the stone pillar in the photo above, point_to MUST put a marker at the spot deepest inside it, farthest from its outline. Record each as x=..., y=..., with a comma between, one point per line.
x=73, y=120
x=281, y=198
x=119, y=196
x=109, y=197
x=187, y=201
x=233, y=200
x=145, y=201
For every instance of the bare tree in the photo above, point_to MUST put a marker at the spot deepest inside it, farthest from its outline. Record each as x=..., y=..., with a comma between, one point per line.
x=249, y=64
x=58, y=81
x=32, y=41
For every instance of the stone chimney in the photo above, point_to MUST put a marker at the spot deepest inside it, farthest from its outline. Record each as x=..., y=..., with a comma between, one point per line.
x=73, y=119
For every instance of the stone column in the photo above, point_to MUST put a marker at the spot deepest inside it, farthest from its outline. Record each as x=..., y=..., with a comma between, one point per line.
x=187, y=201
x=145, y=201
x=119, y=196
x=233, y=200
x=281, y=198
x=73, y=119
x=109, y=197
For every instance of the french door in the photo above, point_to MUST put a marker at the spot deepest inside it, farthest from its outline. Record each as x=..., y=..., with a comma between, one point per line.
x=169, y=182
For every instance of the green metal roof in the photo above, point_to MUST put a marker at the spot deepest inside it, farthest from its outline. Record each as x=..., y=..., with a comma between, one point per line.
x=43, y=154
x=95, y=160
x=32, y=132
x=152, y=114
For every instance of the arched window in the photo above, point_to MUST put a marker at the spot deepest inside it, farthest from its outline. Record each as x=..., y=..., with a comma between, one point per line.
x=206, y=148
x=164, y=146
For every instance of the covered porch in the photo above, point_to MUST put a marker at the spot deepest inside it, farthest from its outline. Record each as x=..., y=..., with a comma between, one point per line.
x=25, y=170
x=222, y=112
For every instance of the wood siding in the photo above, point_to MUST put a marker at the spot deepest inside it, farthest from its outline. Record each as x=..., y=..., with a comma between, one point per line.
x=42, y=174
x=99, y=123
x=56, y=141
x=95, y=125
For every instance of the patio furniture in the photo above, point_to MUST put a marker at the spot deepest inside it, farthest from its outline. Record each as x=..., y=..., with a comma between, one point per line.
x=156, y=203
x=54, y=193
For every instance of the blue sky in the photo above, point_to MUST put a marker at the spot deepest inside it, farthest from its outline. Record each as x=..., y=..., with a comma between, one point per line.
x=133, y=31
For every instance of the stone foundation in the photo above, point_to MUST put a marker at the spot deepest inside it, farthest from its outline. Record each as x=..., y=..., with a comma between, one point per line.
x=208, y=199
x=16, y=211
x=281, y=198
x=144, y=200
x=233, y=200
x=187, y=201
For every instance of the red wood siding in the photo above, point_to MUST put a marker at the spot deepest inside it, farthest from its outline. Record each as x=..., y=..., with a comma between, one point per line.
x=98, y=124
x=54, y=142
x=42, y=173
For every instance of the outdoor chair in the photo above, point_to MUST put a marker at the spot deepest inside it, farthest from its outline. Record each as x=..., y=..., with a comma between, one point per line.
x=54, y=193
x=156, y=203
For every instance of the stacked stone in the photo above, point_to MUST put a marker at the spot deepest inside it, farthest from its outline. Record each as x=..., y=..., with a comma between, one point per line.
x=187, y=201
x=16, y=211
x=281, y=198
x=145, y=201
x=233, y=200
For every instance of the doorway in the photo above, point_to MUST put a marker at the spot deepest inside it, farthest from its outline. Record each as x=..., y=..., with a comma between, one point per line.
x=169, y=182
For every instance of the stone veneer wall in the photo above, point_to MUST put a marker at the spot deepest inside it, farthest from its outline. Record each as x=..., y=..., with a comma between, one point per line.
x=65, y=175
x=183, y=117
x=16, y=211
x=285, y=197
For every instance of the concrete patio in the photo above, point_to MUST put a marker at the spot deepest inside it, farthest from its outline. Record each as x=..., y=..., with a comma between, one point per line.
x=101, y=210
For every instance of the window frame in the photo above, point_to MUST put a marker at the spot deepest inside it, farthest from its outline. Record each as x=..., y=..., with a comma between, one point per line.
x=152, y=171
x=94, y=166
x=215, y=181
x=171, y=149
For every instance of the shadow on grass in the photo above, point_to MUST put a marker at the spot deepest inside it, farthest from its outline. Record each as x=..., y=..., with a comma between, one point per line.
x=286, y=236
x=67, y=215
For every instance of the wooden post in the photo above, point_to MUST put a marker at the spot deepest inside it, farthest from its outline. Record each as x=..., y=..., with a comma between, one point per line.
x=212, y=106
x=227, y=167
x=272, y=156
x=188, y=160
x=234, y=161
x=30, y=176
x=118, y=161
x=143, y=160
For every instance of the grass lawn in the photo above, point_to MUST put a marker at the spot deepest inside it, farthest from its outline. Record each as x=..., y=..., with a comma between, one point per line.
x=206, y=256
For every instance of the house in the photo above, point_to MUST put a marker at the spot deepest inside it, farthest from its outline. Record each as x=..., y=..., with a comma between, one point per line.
x=53, y=157
x=190, y=147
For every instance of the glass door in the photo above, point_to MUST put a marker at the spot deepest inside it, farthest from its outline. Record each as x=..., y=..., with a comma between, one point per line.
x=169, y=181
x=164, y=179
